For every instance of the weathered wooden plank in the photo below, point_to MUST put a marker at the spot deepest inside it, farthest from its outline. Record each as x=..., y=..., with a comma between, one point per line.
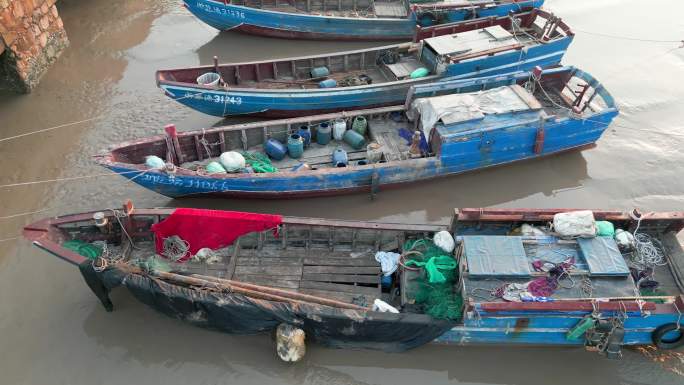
x=230, y=270
x=349, y=261
x=270, y=270
x=261, y=261
x=341, y=278
x=340, y=270
x=339, y=287
x=345, y=297
x=287, y=281
x=363, y=225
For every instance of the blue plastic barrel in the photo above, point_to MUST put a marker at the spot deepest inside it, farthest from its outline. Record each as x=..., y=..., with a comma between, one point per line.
x=339, y=157
x=275, y=149
x=327, y=83
x=386, y=281
x=305, y=133
x=319, y=72
x=354, y=139
x=295, y=146
x=324, y=133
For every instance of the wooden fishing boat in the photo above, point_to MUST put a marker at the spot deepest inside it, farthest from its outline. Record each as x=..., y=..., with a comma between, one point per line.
x=321, y=276
x=467, y=125
x=344, y=19
x=372, y=77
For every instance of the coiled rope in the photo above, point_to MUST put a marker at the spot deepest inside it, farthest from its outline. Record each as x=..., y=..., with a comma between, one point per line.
x=648, y=250
x=175, y=248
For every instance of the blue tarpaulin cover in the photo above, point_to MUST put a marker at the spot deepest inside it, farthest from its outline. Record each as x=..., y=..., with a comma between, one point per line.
x=495, y=256
x=603, y=256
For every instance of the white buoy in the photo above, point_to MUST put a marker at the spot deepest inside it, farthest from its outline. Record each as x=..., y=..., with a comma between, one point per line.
x=290, y=343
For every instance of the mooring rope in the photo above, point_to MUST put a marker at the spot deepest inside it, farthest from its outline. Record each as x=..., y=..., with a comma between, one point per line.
x=627, y=37
x=72, y=178
x=50, y=128
x=23, y=214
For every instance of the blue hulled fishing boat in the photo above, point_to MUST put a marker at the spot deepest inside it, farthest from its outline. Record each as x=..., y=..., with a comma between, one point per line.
x=441, y=129
x=344, y=19
x=600, y=279
x=371, y=77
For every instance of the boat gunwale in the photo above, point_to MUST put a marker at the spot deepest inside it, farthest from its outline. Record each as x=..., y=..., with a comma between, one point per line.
x=161, y=80
x=411, y=9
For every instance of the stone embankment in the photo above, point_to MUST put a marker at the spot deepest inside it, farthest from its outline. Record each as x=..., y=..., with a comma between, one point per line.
x=32, y=37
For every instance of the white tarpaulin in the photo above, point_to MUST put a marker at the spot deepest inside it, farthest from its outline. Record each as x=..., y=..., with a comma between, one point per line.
x=464, y=107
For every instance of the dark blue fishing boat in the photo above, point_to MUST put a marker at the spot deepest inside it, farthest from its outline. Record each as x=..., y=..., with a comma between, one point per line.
x=344, y=19
x=464, y=125
x=502, y=277
x=371, y=77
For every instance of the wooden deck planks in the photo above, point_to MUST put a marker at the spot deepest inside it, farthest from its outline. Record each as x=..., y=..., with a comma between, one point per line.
x=352, y=278
x=340, y=270
x=339, y=287
x=349, y=262
x=337, y=274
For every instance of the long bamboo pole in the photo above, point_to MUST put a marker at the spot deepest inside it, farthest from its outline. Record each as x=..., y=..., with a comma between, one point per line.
x=284, y=293
x=248, y=289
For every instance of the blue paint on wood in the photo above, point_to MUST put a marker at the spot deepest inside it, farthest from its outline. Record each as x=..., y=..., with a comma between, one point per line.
x=495, y=140
x=239, y=100
x=544, y=329
x=224, y=16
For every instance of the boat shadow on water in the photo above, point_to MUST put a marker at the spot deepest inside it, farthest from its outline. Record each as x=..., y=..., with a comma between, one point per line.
x=548, y=176
x=152, y=339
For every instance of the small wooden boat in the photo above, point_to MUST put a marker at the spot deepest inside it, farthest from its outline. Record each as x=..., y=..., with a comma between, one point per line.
x=344, y=19
x=372, y=77
x=467, y=125
x=248, y=273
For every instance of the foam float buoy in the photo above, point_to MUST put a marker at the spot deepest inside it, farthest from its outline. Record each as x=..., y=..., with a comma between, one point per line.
x=290, y=343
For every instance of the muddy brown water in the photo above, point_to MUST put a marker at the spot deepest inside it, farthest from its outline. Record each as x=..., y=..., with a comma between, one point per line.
x=53, y=330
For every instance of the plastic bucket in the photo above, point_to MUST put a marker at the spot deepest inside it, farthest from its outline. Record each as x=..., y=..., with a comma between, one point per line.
x=339, y=158
x=339, y=127
x=275, y=149
x=209, y=79
x=295, y=146
x=323, y=133
x=354, y=139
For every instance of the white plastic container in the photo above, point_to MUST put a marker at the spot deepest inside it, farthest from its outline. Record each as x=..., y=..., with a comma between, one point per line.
x=339, y=127
x=209, y=79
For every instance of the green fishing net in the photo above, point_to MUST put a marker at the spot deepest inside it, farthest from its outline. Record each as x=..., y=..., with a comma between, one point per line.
x=435, y=288
x=259, y=162
x=153, y=263
x=85, y=249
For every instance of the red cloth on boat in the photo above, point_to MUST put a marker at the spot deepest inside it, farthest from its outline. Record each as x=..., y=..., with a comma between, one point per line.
x=211, y=228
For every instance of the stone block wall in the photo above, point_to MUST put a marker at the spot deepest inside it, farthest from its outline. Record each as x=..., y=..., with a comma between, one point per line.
x=33, y=36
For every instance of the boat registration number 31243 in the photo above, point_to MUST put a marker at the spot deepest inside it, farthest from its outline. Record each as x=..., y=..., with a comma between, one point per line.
x=223, y=11
x=223, y=99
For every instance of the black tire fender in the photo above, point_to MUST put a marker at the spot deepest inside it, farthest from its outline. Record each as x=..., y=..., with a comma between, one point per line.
x=662, y=330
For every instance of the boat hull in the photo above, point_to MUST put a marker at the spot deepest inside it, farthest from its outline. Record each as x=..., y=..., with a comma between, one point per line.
x=234, y=313
x=263, y=22
x=297, y=102
x=566, y=135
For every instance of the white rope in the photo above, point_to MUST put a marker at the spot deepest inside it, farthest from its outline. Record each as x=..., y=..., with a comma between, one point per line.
x=8, y=239
x=648, y=253
x=49, y=128
x=628, y=38
x=23, y=214
x=175, y=248
x=75, y=178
